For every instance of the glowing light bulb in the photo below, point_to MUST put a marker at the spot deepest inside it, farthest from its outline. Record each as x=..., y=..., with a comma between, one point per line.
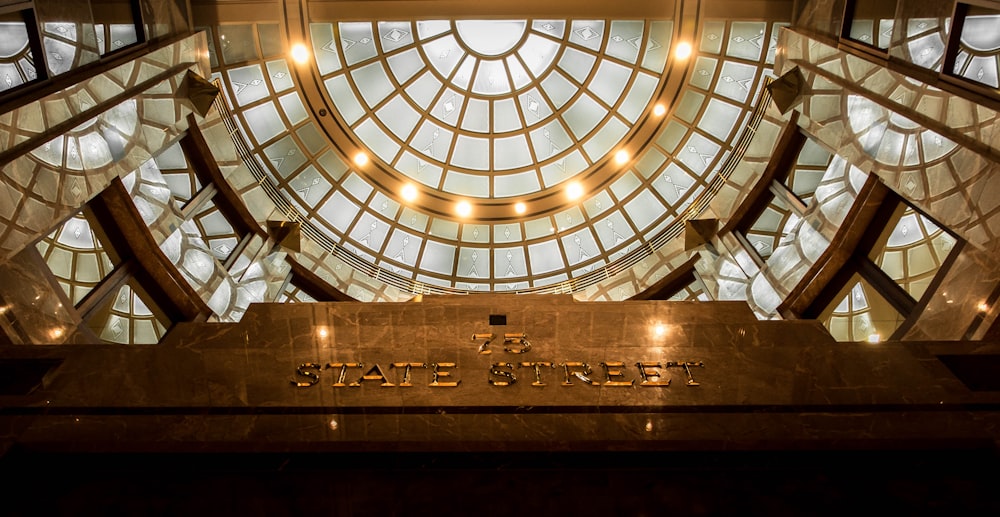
x=409, y=192
x=659, y=110
x=322, y=332
x=463, y=209
x=574, y=191
x=361, y=159
x=660, y=330
x=874, y=338
x=621, y=157
x=520, y=208
x=683, y=50
x=300, y=54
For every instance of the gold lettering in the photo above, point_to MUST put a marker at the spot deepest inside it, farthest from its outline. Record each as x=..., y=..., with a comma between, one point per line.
x=650, y=375
x=516, y=339
x=508, y=374
x=312, y=376
x=584, y=373
x=615, y=377
x=438, y=374
x=375, y=374
x=687, y=365
x=343, y=373
x=406, y=372
x=537, y=365
x=484, y=347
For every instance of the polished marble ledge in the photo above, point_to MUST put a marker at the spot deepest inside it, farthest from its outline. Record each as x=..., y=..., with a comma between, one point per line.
x=763, y=383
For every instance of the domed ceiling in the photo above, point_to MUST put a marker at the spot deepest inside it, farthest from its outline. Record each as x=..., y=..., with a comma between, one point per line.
x=499, y=154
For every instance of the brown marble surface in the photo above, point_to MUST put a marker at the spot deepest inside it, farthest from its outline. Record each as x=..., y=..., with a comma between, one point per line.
x=771, y=385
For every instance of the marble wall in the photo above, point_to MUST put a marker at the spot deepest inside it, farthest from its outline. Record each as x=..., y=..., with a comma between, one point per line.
x=232, y=386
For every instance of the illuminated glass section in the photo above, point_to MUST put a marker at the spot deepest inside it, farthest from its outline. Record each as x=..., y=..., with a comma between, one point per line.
x=564, y=95
x=861, y=314
x=76, y=257
x=913, y=252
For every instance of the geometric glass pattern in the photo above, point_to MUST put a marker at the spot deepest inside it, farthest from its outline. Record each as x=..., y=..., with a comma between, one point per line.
x=389, y=87
x=16, y=62
x=978, y=57
x=76, y=257
x=913, y=251
x=861, y=314
x=129, y=319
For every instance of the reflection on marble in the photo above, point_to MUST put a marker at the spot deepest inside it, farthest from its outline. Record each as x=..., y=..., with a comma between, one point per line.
x=231, y=385
x=33, y=310
x=44, y=179
x=930, y=148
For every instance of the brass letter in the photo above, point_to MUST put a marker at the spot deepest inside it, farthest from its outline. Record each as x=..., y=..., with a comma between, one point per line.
x=484, y=349
x=615, y=377
x=312, y=376
x=650, y=375
x=537, y=365
x=583, y=375
x=509, y=374
x=517, y=339
x=439, y=374
x=343, y=374
x=406, y=372
x=375, y=374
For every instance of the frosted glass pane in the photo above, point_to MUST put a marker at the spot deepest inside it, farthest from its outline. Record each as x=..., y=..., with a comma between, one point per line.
x=248, y=84
x=638, y=97
x=559, y=89
x=511, y=153
x=373, y=83
x=549, y=140
x=516, y=184
x=491, y=37
x=505, y=116
x=626, y=38
x=405, y=65
x=424, y=90
x=432, y=140
x=448, y=107
x=472, y=153
x=577, y=64
x=344, y=99
x=720, y=119
x=438, y=257
x=357, y=42
x=491, y=78
x=477, y=116
x=609, y=82
x=589, y=34
x=399, y=116
x=644, y=209
x=376, y=140
x=264, y=122
x=293, y=108
x=538, y=54
x=444, y=54
x=545, y=257
x=430, y=28
x=584, y=115
x=324, y=48
x=606, y=138
x=394, y=35
x=467, y=184
x=534, y=106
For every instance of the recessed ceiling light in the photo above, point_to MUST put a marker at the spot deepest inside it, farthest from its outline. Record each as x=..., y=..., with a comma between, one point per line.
x=409, y=192
x=520, y=208
x=659, y=110
x=574, y=190
x=463, y=209
x=621, y=157
x=300, y=54
x=361, y=159
x=683, y=50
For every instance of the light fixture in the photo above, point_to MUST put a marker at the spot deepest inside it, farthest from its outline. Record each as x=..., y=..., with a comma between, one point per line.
x=409, y=192
x=659, y=110
x=322, y=332
x=621, y=157
x=983, y=307
x=682, y=50
x=300, y=54
x=874, y=338
x=574, y=190
x=520, y=208
x=56, y=333
x=361, y=159
x=660, y=330
x=463, y=209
